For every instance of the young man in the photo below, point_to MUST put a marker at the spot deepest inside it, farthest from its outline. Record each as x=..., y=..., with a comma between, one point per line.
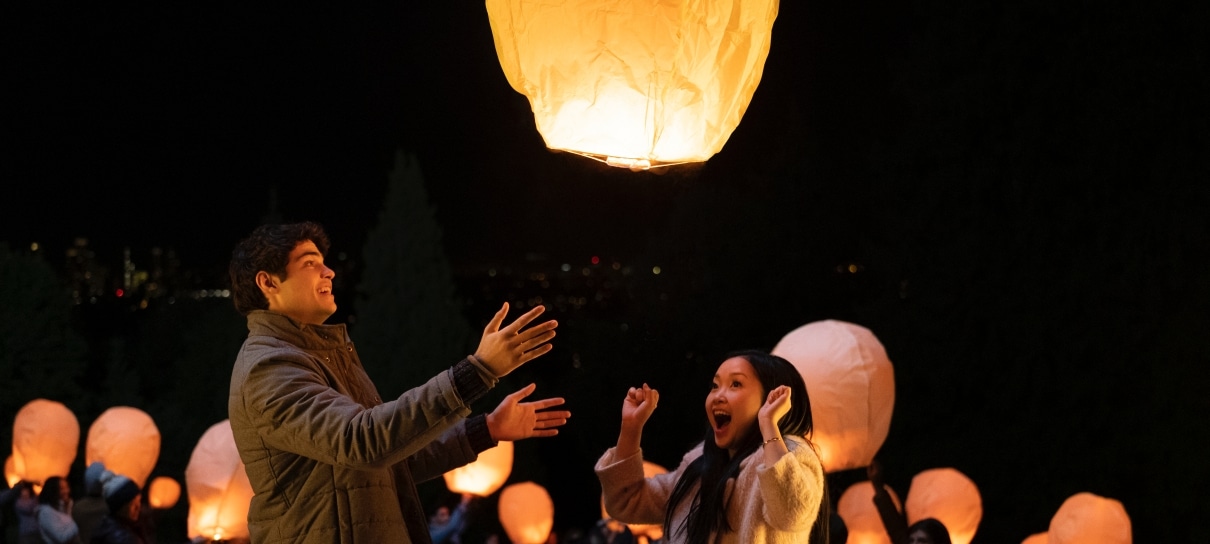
x=328, y=460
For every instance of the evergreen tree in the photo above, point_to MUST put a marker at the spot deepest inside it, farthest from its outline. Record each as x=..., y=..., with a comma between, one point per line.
x=408, y=321
x=41, y=355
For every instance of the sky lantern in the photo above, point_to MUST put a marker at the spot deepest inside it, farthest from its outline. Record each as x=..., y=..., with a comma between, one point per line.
x=1037, y=538
x=949, y=497
x=527, y=513
x=861, y=517
x=163, y=493
x=126, y=441
x=642, y=532
x=1085, y=518
x=852, y=388
x=46, y=436
x=218, y=487
x=634, y=83
x=486, y=474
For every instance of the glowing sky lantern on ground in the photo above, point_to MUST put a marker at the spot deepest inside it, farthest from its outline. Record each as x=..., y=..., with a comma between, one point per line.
x=1085, y=518
x=126, y=440
x=486, y=474
x=852, y=388
x=527, y=513
x=635, y=83
x=46, y=436
x=643, y=532
x=218, y=487
x=163, y=492
x=861, y=518
x=949, y=497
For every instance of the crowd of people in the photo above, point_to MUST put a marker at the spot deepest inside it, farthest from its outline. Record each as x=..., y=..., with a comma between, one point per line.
x=330, y=461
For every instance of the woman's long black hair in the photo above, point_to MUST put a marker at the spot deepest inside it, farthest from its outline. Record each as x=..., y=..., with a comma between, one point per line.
x=708, y=509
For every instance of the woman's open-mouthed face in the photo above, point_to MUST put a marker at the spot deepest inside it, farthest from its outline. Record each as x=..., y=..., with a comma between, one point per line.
x=734, y=401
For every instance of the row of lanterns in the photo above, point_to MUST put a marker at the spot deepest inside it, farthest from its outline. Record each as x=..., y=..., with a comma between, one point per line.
x=845, y=368
x=852, y=386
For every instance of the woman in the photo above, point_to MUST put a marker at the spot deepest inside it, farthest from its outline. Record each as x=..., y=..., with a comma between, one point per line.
x=54, y=513
x=754, y=478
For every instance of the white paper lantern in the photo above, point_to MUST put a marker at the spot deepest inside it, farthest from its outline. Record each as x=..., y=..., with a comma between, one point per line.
x=861, y=518
x=46, y=436
x=126, y=440
x=486, y=474
x=1037, y=538
x=1085, y=518
x=634, y=83
x=527, y=513
x=10, y=472
x=852, y=387
x=948, y=496
x=218, y=487
x=163, y=492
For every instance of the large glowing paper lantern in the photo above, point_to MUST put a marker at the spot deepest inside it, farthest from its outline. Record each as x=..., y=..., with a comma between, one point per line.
x=861, y=517
x=949, y=497
x=1037, y=538
x=486, y=474
x=126, y=441
x=527, y=513
x=644, y=531
x=46, y=436
x=634, y=83
x=1085, y=518
x=852, y=388
x=218, y=487
x=163, y=493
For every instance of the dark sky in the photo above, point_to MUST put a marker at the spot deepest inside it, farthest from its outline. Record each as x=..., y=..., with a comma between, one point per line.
x=170, y=126
x=1037, y=170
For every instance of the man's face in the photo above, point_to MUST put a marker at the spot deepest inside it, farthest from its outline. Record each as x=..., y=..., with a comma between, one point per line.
x=443, y=515
x=305, y=294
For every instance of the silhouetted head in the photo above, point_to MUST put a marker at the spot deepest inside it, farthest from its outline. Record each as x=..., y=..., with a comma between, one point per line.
x=928, y=531
x=54, y=490
x=267, y=249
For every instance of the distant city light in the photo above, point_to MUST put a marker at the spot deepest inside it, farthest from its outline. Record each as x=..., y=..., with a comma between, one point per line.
x=118, y=293
x=566, y=267
x=655, y=270
x=596, y=260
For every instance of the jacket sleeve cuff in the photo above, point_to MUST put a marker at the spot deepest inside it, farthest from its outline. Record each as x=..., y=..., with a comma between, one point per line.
x=470, y=381
x=478, y=435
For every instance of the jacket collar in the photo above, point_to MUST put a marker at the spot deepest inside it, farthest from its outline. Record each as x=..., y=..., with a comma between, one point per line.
x=303, y=335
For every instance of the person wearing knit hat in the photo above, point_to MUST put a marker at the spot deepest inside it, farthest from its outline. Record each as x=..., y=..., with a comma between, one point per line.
x=90, y=509
x=124, y=499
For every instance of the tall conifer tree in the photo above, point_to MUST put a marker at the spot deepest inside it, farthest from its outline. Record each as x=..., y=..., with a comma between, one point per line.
x=409, y=323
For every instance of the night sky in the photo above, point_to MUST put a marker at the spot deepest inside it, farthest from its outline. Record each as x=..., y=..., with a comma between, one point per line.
x=1031, y=178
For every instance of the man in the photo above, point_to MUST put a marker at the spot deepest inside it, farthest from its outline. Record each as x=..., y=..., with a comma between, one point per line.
x=328, y=460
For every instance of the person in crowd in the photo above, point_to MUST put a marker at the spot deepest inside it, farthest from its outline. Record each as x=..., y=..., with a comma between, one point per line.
x=21, y=503
x=329, y=461
x=893, y=521
x=124, y=500
x=54, y=513
x=90, y=509
x=446, y=526
x=754, y=479
x=928, y=531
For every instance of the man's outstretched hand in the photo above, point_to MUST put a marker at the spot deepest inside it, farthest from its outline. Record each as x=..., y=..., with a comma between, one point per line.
x=514, y=420
x=503, y=349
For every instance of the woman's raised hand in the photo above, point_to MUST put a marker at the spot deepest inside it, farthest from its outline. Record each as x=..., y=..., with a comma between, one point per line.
x=777, y=405
x=638, y=406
